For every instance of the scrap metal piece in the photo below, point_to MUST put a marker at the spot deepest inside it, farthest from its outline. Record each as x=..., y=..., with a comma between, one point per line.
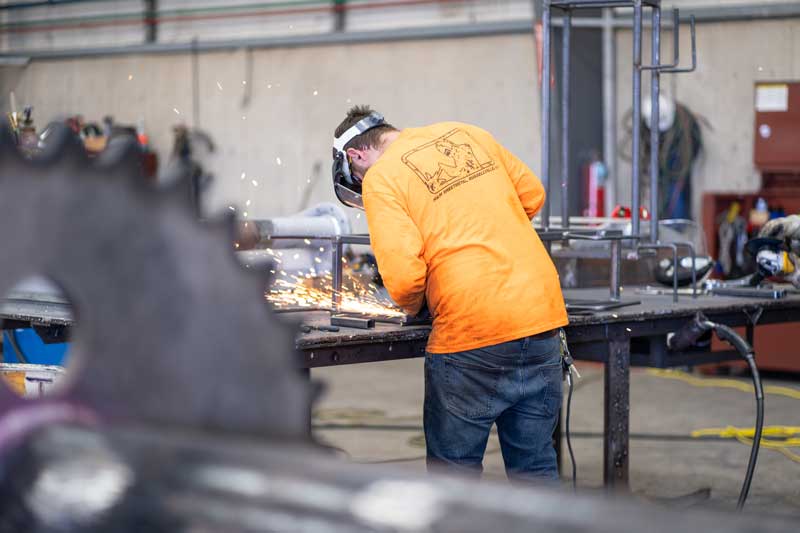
x=749, y=292
x=348, y=321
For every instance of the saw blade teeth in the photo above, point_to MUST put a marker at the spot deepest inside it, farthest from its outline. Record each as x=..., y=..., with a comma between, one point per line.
x=63, y=149
x=8, y=146
x=175, y=183
x=121, y=159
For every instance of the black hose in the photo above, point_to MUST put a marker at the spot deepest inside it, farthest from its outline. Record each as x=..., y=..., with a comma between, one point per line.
x=751, y=465
x=690, y=334
x=566, y=432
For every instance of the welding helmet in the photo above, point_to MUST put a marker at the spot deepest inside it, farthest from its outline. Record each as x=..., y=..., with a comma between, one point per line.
x=346, y=185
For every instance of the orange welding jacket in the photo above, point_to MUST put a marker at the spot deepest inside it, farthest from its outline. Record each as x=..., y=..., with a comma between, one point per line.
x=449, y=212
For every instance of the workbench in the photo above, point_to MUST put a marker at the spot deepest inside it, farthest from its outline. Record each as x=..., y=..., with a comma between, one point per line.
x=620, y=338
x=628, y=336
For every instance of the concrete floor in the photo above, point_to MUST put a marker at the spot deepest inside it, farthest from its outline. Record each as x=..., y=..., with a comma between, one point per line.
x=391, y=393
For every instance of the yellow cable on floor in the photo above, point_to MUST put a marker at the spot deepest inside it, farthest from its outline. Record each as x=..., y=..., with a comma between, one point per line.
x=679, y=375
x=778, y=438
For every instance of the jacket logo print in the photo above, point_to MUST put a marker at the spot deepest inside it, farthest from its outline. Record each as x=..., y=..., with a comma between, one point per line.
x=448, y=161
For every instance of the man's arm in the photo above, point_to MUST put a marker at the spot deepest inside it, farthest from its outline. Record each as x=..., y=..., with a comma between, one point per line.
x=398, y=248
x=529, y=188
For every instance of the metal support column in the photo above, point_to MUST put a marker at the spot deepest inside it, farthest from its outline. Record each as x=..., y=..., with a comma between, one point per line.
x=610, y=108
x=340, y=15
x=655, y=80
x=565, y=73
x=151, y=21
x=617, y=414
x=637, y=116
x=545, y=137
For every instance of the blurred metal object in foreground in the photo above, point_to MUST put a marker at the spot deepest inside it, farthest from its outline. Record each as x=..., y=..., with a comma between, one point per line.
x=186, y=411
x=160, y=480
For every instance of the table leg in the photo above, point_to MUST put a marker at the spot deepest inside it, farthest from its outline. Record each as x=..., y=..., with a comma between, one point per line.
x=616, y=414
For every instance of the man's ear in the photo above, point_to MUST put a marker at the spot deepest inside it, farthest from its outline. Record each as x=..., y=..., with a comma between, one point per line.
x=353, y=154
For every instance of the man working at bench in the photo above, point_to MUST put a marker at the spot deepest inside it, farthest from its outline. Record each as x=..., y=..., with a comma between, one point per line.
x=449, y=212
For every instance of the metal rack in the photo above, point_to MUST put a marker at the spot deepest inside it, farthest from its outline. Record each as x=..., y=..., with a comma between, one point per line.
x=566, y=7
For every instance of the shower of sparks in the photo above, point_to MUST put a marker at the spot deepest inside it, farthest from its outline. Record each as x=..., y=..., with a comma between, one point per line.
x=294, y=291
x=316, y=93
x=278, y=160
x=244, y=175
x=269, y=86
x=247, y=203
x=231, y=208
x=219, y=86
x=130, y=77
x=255, y=183
x=176, y=110
x=306, y=241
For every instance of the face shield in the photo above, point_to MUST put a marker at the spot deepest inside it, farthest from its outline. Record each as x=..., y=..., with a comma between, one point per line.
x=347, y=186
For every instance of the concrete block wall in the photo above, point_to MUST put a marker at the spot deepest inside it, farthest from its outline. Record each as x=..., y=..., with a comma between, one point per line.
x=281, y=135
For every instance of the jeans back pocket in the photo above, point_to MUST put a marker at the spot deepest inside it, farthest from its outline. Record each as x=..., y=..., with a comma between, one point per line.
x=471, y=387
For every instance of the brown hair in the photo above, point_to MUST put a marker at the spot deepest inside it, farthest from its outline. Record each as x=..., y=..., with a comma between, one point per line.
x=370, y=138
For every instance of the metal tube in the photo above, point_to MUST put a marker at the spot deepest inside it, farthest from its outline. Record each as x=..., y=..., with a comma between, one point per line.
x=616, y=270
x=637, y=116
x=609, y=108
x=336, y=259
x=655, y=80
x=565, y=72
x=545, y=135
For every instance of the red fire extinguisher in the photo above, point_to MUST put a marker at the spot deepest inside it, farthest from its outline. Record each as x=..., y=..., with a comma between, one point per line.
x=594, y=174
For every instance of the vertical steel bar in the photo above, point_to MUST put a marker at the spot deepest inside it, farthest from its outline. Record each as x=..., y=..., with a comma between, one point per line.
x=637, y=115
x=615, y=282
x=616, y=414
x=609, y=109
x=545, y=140
x=336, y=258
x=565, y=94
x=151, y=21
x=655, y=80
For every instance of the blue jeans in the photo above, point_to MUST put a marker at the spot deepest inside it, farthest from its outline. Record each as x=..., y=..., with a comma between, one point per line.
x=515, y=384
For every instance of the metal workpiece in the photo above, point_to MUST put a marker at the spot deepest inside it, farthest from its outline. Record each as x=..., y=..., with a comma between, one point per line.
x=157, y=295
x=656, y=67
x=615, y=281
x=674, y=249
x=337, y=254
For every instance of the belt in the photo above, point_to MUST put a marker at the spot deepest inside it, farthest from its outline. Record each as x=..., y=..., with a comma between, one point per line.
x=545, y=335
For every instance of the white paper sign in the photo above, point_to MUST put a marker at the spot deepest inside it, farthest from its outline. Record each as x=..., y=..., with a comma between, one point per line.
x=772, y=97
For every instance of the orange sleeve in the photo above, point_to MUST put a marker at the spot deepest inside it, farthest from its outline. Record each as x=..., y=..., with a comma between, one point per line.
x=529, y=188
x=398, y=247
